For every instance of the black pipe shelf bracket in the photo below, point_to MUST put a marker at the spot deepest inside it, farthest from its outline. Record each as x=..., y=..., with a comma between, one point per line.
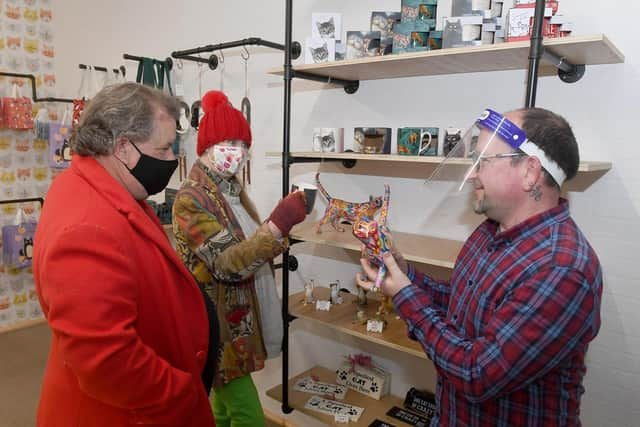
x=120, y=70
x=168, y=61
x=567, y=72
x=293, y=261
x=350, y=86
x=212, y=61
x=34, y=93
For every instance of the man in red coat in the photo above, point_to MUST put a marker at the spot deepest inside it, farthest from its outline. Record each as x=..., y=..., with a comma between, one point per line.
x=130, y=330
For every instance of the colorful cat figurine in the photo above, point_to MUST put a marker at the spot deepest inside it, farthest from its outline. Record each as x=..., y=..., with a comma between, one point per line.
x=376, y=238
x=341, y=210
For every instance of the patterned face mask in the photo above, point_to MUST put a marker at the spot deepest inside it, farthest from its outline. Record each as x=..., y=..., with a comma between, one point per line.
x=227, y=160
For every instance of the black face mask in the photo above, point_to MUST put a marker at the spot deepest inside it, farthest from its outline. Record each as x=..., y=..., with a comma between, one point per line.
x=154, y=174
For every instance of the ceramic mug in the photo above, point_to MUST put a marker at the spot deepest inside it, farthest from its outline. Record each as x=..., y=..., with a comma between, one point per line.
x=417, y=141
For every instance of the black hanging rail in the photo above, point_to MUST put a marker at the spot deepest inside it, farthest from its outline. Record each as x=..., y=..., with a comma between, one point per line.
x=33, y=88
x=121, y=70
x=167, y=61
x=32, y=199
x=187, y=54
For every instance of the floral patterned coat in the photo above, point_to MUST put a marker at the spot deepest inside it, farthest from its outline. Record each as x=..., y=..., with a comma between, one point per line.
x=223, y=260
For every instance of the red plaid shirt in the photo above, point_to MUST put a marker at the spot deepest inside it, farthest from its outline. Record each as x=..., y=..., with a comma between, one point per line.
x=508, y=334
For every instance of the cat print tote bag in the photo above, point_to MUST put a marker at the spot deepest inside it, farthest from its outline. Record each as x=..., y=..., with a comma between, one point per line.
x=59, y=148
x=17, y=244
x=88, y=89
x=16, y=111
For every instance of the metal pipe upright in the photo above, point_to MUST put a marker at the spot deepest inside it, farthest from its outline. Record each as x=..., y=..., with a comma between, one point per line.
x=286, y=133
x=535, y=54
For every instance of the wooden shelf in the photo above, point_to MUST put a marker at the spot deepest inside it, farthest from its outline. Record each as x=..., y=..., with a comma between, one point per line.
x=588, y=172
x=586, y=166
x=374, y=409
x=342, y=317
x=22, y=325
x=589, y=50
x=422, y=249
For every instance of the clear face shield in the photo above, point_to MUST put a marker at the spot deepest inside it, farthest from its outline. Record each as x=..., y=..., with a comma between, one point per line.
x=492, y=136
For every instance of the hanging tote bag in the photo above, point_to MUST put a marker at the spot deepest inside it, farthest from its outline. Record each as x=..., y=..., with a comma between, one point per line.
x=59, y=148
x=17, y=242
x=16, y=111
x=153, y=73
x=88, y=88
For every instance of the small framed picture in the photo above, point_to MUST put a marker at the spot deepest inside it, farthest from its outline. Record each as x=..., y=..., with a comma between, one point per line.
x=317, y=51
x=326, y=25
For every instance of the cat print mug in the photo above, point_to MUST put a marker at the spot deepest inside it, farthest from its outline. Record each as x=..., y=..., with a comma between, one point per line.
x=418, y=141
x=328, y=140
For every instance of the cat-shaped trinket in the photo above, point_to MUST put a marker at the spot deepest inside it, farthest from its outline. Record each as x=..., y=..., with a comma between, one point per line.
x=340, y=210
x=376, y=238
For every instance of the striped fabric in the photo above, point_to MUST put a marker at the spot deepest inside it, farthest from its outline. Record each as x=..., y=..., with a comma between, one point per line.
x=508, y=334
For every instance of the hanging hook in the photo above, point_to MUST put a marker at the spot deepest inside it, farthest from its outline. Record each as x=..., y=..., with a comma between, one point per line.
x=245, y=55
x=221, y=56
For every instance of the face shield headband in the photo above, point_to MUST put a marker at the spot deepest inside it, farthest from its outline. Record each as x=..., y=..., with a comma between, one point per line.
x=510, y=133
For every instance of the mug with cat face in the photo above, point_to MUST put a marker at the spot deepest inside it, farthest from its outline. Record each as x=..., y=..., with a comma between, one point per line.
x=328, y=140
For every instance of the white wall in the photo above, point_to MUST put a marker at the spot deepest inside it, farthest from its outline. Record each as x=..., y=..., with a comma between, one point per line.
x=602, y=108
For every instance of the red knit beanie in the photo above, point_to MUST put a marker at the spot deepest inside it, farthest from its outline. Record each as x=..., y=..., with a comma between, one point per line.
x=221, y=122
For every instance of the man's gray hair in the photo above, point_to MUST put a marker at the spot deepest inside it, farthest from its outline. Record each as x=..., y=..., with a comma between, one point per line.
x=120, y=110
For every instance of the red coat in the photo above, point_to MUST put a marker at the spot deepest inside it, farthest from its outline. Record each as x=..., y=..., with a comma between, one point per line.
x=130, y=329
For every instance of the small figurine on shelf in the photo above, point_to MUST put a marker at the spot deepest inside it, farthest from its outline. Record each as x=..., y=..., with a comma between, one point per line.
x=335, y=292
x=386, y=307
x=362, y=296
x=308, y=291
x=342, y=211
x=361, y=316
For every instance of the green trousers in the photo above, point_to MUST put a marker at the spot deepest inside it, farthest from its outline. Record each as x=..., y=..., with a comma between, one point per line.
x=237, y=404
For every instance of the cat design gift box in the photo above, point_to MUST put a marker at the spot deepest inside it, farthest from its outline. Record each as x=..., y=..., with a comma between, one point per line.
x=362, y=43
x=385, y=22
x=411, y=37
x=328, y=140
x=420, y=11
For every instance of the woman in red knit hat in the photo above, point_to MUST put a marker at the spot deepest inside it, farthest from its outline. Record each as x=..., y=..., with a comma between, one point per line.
x=222, y=241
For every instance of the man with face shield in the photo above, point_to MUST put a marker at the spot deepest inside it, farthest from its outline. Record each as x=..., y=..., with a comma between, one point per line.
x=129, y=323
x=509, y=331
x=228, y=249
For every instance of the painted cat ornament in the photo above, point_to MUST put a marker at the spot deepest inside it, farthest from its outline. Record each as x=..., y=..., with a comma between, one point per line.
x=376, y=239
x=342, y=211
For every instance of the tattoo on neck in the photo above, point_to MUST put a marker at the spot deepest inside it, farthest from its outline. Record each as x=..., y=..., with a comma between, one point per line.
x=536, y=193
